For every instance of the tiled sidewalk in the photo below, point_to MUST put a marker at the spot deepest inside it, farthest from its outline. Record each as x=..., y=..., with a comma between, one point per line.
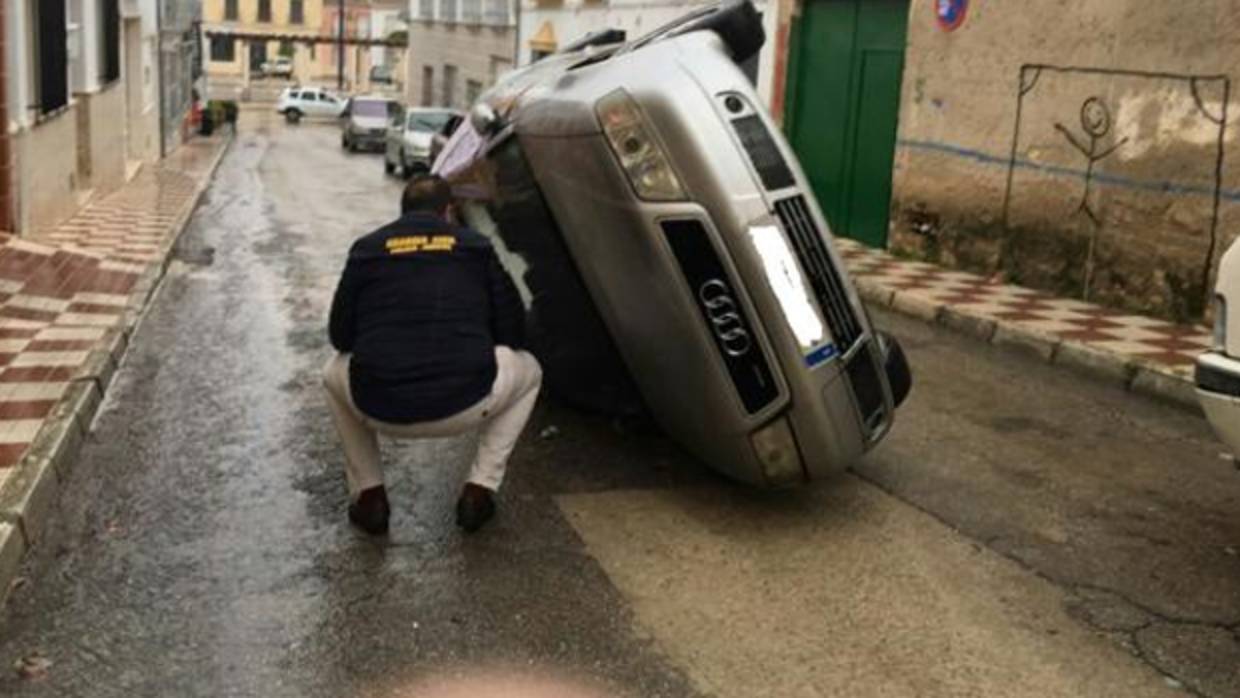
x=1121, y=344
x=68, y=296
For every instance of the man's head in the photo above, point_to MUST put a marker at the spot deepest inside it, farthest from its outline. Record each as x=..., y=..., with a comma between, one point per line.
x=427, y=194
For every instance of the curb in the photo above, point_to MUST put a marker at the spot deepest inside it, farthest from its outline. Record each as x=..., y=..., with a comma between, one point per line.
x=1146, y=379
x=28, y=497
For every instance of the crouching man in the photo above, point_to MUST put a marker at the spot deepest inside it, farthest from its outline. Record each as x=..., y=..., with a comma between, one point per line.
x=429, y=330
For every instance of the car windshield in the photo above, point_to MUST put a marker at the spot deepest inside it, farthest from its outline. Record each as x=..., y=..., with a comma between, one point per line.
x=370, y=107
x=429, y=121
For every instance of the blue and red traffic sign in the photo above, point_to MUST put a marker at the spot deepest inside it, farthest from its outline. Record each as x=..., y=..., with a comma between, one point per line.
x=950, y=13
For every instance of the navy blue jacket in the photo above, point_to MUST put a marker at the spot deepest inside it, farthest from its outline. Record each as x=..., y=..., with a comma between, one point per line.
x=421, y=306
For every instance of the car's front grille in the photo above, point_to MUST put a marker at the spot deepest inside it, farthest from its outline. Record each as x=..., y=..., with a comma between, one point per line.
x=716, y=298
x=828, y=285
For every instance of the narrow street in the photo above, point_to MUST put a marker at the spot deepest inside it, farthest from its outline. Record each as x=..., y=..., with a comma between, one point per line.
x=1023, y=532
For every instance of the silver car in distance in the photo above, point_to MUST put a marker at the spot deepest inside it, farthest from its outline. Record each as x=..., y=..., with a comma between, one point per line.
x=664, y=220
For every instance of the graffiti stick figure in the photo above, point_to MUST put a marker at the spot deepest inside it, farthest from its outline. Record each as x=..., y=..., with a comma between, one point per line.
x=1096, y=121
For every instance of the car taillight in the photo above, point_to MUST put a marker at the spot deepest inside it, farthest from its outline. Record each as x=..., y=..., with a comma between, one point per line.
x=641, y=156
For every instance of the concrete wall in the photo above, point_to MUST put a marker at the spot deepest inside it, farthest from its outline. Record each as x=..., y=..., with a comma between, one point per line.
x=480, y=53
x=104, y=117
x=47, y=171
x=1081, y=146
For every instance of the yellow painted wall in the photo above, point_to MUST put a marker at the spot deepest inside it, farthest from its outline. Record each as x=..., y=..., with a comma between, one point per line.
x=213, y=15
x=213, y=12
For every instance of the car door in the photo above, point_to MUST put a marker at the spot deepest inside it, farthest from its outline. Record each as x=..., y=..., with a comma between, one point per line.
x=328, y=105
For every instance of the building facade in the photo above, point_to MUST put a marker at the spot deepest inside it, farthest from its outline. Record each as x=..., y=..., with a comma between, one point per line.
x=236, y=60
x=243, y=35
x=180, y=61
x=457, y=49
x=81, y=95
x=547, y=25
x=1082, y=148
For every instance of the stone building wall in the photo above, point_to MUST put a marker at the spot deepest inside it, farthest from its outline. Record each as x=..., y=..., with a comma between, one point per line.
x=1086, y=147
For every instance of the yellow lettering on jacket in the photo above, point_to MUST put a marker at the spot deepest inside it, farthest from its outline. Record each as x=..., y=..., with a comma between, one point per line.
x=410, y=244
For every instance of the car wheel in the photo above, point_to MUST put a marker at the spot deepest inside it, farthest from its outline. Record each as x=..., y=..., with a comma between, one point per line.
x=388, y=167
x=292, y=116
x=403, y=166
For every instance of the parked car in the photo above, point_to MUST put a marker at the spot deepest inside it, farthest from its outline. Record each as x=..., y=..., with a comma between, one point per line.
x=411, y=138
x=298, y=102
x=364, y=122
x=664, y=220
x=279, y=67
x=1218, y=371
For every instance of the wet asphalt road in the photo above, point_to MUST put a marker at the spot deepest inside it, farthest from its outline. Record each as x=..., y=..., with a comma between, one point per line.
x=1023, y=532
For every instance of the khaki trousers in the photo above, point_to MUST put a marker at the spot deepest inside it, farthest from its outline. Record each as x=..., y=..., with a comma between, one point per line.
x=499, y=418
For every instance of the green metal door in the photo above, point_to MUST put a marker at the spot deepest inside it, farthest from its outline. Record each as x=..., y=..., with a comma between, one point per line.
x=847, y=58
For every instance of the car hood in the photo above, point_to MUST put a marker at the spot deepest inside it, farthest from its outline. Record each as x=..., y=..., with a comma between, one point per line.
x=419, y=139
x=369, y=122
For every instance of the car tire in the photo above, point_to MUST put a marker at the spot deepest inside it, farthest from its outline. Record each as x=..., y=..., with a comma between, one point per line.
x=344, y=142
x=388, y=167
x=292, y=116
x=402, y=167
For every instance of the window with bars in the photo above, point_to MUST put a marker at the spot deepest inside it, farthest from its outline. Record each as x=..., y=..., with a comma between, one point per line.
x=231, y=12
x=498, y=12
x=264, y=10
x=447, y=10
x=223, y=49
x=471, y=11
x=50, y=54
x=297, y=12
x=110, y=41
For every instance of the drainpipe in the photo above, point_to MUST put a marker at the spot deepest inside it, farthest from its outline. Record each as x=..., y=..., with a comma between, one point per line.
x=6, y=147
x=159, y=65
x=516, y=35
x=340, y=46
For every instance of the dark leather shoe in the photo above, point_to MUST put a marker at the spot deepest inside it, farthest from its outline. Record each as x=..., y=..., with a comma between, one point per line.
x=475, y=507
x=370, y=512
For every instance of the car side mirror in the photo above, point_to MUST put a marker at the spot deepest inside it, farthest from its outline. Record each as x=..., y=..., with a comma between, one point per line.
x=485, y=120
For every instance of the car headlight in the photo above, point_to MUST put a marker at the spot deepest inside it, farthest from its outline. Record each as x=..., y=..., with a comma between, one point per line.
x=1220, y=323
x=635, y=147
x=777, y=452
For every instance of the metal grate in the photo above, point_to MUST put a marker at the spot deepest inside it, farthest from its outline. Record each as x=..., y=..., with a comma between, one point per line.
x=828, y=285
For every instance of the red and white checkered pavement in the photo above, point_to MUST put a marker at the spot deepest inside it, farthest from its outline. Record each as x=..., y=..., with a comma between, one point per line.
x=64, y=291
x=1167, y=347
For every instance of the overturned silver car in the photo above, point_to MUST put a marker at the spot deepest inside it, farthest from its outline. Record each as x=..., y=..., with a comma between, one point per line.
x=676, y=256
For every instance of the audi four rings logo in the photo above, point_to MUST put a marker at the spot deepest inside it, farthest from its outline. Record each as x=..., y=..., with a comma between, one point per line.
x=725, y=318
